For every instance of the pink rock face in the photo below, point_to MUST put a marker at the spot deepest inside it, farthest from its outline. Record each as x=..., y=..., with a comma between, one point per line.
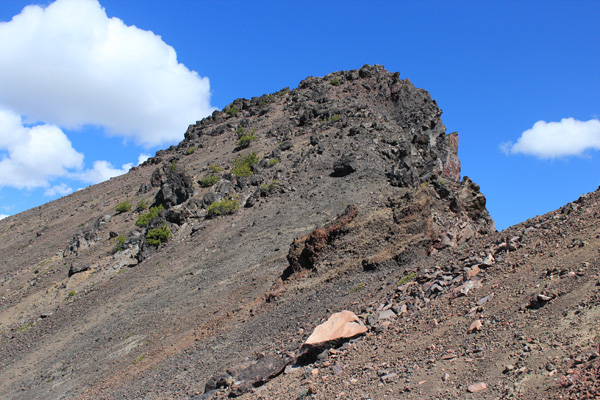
x=342, y=325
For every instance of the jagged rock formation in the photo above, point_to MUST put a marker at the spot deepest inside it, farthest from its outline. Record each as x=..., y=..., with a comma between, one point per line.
x=233, y=251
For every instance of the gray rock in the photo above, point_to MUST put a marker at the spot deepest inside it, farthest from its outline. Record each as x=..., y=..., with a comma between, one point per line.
x=345, y=166
x=77, y=267
x=175, y=186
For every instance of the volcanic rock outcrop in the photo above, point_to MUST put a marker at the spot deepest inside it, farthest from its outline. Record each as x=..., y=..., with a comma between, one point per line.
x=271, y=215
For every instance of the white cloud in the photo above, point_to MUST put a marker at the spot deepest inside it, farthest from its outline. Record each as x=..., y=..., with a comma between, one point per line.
x=70, y=65
x=60, y=189
x=102, y=170
x=569, y=137
x=31, y=156
x=2, y=216
x=142, y=158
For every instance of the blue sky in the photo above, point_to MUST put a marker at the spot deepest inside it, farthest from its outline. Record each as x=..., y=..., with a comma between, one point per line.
x=98, y=85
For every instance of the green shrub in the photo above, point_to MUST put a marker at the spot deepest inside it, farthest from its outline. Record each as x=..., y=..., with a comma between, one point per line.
x=190, y=150
x=123, y=207
x=242, y=165
x=245, y=140
x=214, y=168
x=173, y=167
x=232, y=111
x=157, y=236
x=269, y=188
x=335, y=117
x=357, y=288
x=120, y=243
x=144, y=219
x=142, y=205
x=273, y=162
x=406, y=279
x=208, y=181
x=223, y=207
x=335, y=82
x=71, y=293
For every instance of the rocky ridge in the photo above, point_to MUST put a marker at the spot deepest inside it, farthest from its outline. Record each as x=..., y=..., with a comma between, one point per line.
x=271, y=215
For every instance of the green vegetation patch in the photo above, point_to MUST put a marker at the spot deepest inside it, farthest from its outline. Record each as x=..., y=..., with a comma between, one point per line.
x=123, y=207
x=142, y=205
x=335, y=82
x=406, y=279
x=242, y=165
x=119, y=243
x=269, y=188
x=144, y=219
x=357, y=287
x=209, y=180
x=232, y=111
x=156, y=237
x=214, y=168
x=223, y=207
x=273, y=162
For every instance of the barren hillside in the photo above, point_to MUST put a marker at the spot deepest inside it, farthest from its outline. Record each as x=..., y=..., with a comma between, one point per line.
x=200, y=273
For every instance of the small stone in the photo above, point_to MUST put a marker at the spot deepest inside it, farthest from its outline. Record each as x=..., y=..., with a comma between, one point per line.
x=477, y=387
x=386, y=314
x=445, y=377
x=508, y=368
x=475, y=326
x=389, y=377
x=489, y=261
x=472, y=272
x=485, y=299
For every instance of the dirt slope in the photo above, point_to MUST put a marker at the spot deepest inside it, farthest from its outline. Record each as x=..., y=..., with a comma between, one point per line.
x=90, y=308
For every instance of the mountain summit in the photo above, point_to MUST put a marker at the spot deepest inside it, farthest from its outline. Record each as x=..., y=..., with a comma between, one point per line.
x=201, y=272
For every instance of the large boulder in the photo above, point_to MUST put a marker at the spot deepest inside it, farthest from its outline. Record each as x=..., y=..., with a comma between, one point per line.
x=175, y=186
x=339, y=328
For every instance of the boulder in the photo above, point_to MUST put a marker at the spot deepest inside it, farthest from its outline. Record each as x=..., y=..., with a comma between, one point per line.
x=175, y=186
x=339, y=328
x=77, y=267
x=344, y=166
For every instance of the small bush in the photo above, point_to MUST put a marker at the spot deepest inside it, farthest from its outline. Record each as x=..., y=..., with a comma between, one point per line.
x=223, y=207
x=142, y=205
x=232, y=111
x=357, y=288
x=273, y=162
x=120, y=243
x=269, y=188
x=190, y=150
x=144, y=219
x=214, y=168
x=208, y=181
x=71, y=293
x=242, y=165
x=123, y=207
x=173, y=167
x=406, y=279
x=335, y=82
x=245, y=140
x=156, y=237
x=335, y=117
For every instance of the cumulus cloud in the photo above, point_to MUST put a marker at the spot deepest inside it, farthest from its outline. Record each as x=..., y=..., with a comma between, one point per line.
x=70, y=65
x=569, y=137
x=60, y=189
x=31, y=156
x=142, y=158
x=102, y=170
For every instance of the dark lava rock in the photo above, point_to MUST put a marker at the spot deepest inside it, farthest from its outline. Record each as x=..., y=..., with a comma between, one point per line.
x=175, y=186
x=344, y=166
